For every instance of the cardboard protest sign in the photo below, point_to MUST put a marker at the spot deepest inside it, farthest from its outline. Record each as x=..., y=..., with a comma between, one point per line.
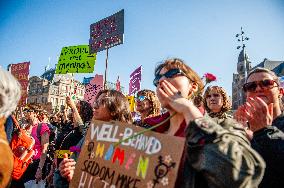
x=107, y=32
x=21, y=72
x=75, y=59
x=93, y=88
x=147, y=161
x=135, y=80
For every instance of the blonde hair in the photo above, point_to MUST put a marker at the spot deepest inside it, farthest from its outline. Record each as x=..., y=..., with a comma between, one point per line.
x=152, y=97
x=10, y=93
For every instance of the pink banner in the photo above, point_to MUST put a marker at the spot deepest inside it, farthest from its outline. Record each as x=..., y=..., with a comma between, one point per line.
x=135, y=80
x=93, y=88
x=117, y=85
x=21, y=72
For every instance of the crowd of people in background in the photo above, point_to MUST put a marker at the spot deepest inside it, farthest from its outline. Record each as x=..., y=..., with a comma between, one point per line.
x=222, y=149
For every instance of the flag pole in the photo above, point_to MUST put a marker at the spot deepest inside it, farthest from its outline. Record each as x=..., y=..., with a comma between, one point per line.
x=106, y=69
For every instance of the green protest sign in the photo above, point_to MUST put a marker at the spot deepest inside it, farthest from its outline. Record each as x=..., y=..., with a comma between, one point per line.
x=76, y=59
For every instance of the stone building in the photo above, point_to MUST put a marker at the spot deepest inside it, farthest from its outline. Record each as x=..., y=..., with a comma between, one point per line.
x=243, y=68
x=52, y=89
x=238, y=96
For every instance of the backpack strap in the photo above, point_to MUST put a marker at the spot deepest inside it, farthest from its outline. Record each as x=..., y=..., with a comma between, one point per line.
x=39, y=125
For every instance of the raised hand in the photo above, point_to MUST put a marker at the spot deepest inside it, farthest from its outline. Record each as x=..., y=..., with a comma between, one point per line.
x=70, y=102
x=258, y=113
x=66, y=168
x=172, y=98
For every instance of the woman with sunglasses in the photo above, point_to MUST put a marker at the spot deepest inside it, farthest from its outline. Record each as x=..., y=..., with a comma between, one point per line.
x=263, y=114
x=148, y=105
x=109, y=105
x=213, y=156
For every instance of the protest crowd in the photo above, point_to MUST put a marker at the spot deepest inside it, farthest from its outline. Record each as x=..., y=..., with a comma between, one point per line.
x=221, y=149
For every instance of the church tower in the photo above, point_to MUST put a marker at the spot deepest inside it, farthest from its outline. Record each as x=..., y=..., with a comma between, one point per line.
x=243, y=68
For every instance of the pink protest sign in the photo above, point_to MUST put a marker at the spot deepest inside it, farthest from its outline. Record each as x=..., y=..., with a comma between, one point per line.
x=135, y=80
x=93, y=88
x=21, y=72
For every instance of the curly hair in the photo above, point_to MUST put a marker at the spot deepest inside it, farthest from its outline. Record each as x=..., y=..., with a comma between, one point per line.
x=226, y=101
x=152, y=97
x=10, y=93
x=86, y=111
x=117, y=104
x=176, y=63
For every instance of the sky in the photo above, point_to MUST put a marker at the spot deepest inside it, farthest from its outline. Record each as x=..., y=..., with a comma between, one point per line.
x=201, y=32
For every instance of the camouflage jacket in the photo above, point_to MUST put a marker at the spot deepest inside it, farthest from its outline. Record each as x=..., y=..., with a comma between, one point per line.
x=218, y=154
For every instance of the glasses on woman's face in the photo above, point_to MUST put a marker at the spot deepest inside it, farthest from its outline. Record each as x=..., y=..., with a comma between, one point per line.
x=264, y=84
x=140, y=98
x=169, y=74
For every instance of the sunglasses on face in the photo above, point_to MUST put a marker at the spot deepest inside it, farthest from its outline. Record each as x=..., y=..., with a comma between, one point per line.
x=264, y=84
x=28, y=110
x=169, y=74
x=140, y=98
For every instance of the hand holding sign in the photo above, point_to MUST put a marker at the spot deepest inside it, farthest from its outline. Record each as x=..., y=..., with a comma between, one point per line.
x=67, y=167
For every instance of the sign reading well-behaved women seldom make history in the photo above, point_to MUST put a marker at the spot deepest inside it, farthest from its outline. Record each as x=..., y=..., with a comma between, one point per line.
x=75, y=59
x=145, y=161
x=107, y=32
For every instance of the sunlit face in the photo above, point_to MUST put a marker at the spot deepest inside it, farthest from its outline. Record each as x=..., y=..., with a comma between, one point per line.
x=269, y=95
x=101, y=112
x=214, y=101
x=179, y=81
x=143, y=104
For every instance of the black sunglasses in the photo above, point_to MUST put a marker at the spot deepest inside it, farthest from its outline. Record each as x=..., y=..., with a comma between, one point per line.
x=169, y=74
x=264, y=84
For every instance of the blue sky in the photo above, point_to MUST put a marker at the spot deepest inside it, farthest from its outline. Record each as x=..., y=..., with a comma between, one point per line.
x=202, y=32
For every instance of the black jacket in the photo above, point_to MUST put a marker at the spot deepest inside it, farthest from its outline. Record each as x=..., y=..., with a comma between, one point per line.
x=269, y=142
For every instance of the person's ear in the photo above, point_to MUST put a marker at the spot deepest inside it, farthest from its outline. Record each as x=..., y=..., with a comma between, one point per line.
x=194, y=86
x=194, y=89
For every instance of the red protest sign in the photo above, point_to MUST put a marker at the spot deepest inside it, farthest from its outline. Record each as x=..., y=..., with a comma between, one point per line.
x=21, y=72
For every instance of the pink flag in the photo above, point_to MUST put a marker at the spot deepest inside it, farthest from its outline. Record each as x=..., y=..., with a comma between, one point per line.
x=135, y=80
x=117, y=84
x=93, y=88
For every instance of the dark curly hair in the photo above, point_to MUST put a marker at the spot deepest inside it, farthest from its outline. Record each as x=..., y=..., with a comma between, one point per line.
x=85, y=111
x=117, y=104
x=226, y=101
